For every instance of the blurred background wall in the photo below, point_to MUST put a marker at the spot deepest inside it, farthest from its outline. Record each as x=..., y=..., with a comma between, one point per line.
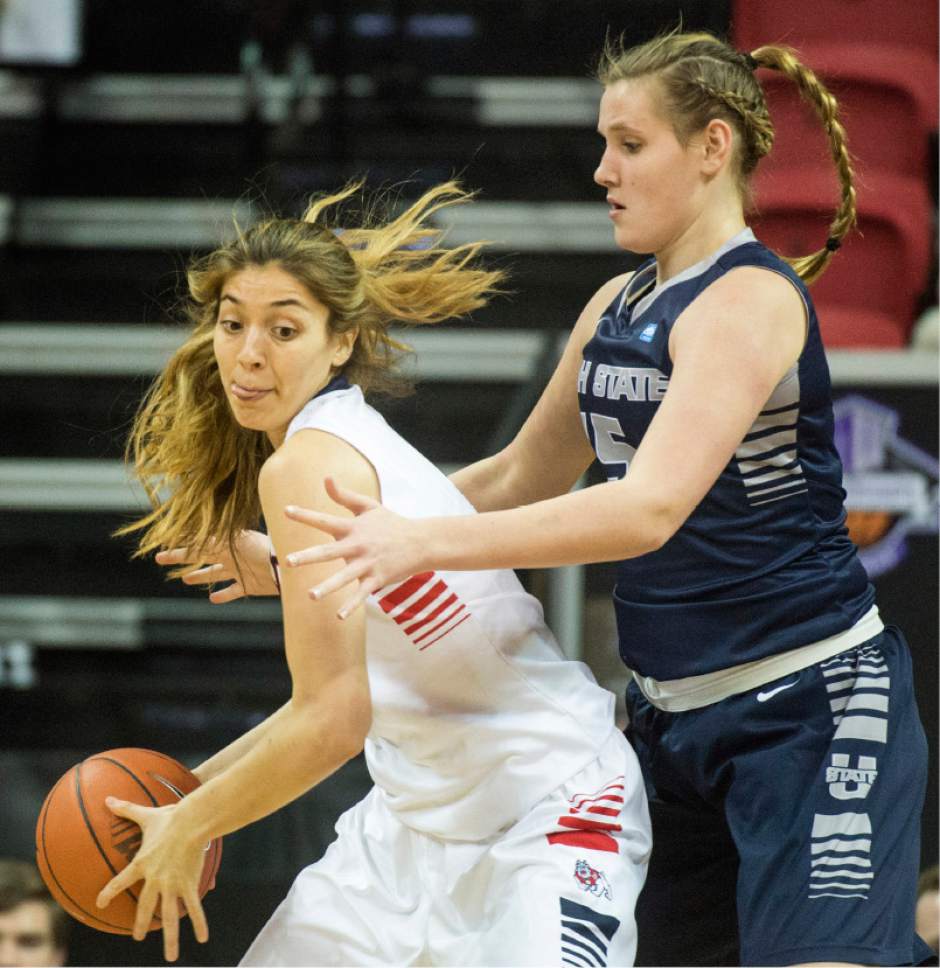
x=131, y=133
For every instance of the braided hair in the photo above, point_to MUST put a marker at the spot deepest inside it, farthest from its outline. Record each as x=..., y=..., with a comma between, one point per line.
x=702, y=78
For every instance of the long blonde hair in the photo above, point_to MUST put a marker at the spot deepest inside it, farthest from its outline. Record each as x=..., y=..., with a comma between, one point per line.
x=198, y=466
x=702, y=78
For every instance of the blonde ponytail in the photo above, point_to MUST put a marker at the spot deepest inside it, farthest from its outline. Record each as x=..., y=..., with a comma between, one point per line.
x=783, y=59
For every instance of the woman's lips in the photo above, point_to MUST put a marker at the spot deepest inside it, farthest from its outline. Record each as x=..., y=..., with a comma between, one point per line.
x=247, y=394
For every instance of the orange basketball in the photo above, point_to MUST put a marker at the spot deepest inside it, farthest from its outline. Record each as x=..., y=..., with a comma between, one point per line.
x=81, y=845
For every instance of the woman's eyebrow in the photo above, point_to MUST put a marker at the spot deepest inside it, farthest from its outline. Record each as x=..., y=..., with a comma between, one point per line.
x=618, y=127
x=288, y=302
x=277, y=302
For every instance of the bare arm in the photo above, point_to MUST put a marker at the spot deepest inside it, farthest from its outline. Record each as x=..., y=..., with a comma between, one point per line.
x=221, y=761
x=748, y=327
x=322, y=726
x=520, y=473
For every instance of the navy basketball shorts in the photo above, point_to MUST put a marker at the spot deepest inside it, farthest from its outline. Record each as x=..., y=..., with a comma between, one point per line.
x=786, y=820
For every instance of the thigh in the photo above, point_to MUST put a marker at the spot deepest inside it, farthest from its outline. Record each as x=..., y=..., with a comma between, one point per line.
x=686, y=913
x=826, y=818
x=560, y=886
x=361, y=904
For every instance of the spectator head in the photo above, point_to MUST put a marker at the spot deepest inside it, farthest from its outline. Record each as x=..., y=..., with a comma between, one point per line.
x=33, y=928
x=928, y=906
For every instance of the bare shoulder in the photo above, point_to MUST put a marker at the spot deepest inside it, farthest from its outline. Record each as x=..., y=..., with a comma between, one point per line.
x=747, y=308
x=753, y=287
x=294, y=473
x=749, y=326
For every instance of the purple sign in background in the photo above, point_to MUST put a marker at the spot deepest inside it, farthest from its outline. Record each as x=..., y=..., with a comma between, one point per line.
x=887, y=438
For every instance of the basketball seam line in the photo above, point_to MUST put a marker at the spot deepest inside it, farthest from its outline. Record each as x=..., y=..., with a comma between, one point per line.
x=94, y=836
x=52, y=873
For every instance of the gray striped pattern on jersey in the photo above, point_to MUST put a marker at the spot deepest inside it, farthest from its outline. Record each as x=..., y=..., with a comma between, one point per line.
x=767, y=457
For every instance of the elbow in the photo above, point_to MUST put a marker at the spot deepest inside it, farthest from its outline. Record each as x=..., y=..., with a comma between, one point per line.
x=658, y=525
x=337, y=726
x=353, y=726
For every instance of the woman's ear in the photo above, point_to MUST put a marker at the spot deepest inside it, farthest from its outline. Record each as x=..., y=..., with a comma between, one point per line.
x=345, y=343
x=717, y=145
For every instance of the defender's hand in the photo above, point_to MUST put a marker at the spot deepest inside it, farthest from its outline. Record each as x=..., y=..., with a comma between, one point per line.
x=217, y=564
x=379, y=547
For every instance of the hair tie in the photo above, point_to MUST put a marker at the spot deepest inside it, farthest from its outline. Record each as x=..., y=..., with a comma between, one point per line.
x=833, y=244
x=750, y=62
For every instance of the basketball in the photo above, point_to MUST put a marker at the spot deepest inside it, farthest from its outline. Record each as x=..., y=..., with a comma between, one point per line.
x=81, y=845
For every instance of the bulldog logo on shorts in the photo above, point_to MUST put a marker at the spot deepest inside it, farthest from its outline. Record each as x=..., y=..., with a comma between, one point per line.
x=592, y=880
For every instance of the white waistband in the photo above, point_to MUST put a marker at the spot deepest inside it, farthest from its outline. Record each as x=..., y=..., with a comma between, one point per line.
x=680, y=695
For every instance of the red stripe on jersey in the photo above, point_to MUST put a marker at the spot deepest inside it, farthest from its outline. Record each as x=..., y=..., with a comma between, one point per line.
x=583, y=823
x=442, y=622
x=606, y=811
x=433, y=615
x=416, y=608
x=602, y=795
x=595, y=800
x=586, y=840
x=405, y=590
x=451, y=629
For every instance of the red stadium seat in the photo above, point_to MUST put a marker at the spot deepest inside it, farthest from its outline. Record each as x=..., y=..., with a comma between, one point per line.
x=888, y=103
x=901, y=24
x=868, y=295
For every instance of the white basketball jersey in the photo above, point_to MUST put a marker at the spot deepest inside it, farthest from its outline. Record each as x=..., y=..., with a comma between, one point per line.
x=476, y=713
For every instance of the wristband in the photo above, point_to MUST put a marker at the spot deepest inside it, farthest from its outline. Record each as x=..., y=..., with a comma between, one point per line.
x=275, y=568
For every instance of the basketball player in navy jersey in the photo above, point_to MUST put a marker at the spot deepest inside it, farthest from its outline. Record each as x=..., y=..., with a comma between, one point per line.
x=772, y=710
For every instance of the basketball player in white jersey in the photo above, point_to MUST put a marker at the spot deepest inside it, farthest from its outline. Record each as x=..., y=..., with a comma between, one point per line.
x=508, y=822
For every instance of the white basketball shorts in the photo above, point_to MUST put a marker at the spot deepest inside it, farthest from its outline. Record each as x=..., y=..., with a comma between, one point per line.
x=558, y=887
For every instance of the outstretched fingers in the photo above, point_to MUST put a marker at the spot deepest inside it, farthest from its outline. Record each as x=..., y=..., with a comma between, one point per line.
x=117, y=884
x=231, y=593
x=172, y=556
x=130, y=875
x=353, y=500
x=170, y=916
x=197, y=916
x=355, y=571
x=146, y=905
x=329, y=523
x=366, y=587
x=206, y=575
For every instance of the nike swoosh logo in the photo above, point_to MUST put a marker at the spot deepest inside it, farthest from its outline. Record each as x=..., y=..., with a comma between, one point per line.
x=764, y=696
x=172, y=787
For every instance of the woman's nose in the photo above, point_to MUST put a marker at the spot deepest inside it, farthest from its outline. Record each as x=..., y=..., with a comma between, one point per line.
x=604, y=173
x=251, y=352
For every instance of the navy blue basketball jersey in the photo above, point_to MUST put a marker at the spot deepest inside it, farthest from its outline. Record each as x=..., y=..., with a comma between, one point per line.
x=764, y=563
